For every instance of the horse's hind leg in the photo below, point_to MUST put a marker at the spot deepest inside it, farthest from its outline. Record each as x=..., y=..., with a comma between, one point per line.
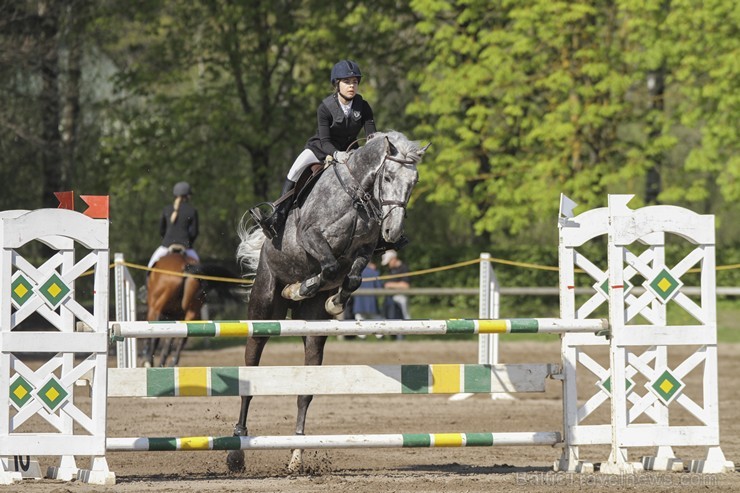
x=313, y=347
x=171, y=346
x=150, y=348
x=252, y=356
x=314, y=355
x=179, y=346
x=192, y=307
x=264, y=304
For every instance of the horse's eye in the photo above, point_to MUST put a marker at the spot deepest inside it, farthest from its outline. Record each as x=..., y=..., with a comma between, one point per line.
x=387, y=179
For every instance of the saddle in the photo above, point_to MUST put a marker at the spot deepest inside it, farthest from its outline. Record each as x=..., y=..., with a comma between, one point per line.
x=304, y=185
x=176, y=248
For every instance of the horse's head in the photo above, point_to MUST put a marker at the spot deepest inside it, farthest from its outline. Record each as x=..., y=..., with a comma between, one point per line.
x=395, y=180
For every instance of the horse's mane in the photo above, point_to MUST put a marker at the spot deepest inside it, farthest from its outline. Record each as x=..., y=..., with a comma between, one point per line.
x=408, y=149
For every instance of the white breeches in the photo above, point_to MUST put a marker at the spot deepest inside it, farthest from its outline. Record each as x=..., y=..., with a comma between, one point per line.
x=161, y=251
x=303, y=161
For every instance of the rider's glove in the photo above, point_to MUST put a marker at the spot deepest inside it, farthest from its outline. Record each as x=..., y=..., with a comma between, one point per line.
x=341, y=156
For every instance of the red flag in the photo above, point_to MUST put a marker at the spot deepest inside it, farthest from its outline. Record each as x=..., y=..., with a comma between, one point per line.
x=66, y=200
x=98, y=206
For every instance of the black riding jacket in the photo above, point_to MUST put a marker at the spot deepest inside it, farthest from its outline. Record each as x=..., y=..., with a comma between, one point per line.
x=336, y=131
x=184, y=231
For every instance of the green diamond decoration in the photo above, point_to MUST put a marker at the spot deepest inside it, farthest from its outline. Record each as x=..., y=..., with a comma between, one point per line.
x=52, y=394
x=603, y=287
x=21, y=289
x=20, y=391
x=667, y=387
x=664, y=285
x=606, y=385
x=54, y=291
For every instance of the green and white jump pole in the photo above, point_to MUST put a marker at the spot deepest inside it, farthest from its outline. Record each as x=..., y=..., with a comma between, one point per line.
x=247, y=328
x=405, y=440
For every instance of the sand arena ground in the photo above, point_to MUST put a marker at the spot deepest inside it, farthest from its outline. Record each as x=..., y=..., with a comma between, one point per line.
x=451, y=470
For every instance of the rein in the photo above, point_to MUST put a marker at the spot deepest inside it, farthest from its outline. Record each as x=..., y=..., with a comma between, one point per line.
x=362, y=198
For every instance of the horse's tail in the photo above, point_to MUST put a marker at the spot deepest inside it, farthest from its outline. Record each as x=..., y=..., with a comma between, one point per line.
x=248, y=251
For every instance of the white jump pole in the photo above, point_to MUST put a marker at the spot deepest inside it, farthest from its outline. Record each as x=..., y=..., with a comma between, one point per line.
x=405, y=440
x=125, y=311
x=265, y=328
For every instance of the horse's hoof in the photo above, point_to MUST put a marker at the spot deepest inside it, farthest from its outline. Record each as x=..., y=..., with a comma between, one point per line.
x=331, y=307
x=235, y=461
x=292, y=292
x=296, y=461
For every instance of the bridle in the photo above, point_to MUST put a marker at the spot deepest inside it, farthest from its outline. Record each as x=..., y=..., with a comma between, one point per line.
x=362, y=198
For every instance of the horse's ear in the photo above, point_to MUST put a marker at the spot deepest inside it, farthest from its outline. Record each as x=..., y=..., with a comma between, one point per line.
x=423, y=149
x=390, y=149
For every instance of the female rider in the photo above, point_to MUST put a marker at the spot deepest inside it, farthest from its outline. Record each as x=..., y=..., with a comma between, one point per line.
x=178, y=224
x=341, y=116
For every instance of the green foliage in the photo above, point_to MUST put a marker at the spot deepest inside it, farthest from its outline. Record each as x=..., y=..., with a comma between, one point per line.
x=525, y=100
x=224, y=95
x=522, y=100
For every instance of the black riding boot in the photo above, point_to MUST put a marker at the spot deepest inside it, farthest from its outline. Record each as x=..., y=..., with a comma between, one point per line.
x=273, y=224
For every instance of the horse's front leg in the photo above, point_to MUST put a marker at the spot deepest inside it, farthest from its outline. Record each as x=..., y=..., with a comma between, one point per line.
x=336, y=304
x=316, y=246
x=314, y=355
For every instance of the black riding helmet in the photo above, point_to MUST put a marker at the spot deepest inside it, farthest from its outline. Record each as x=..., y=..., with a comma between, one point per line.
x=344, y=70
x=181, y=189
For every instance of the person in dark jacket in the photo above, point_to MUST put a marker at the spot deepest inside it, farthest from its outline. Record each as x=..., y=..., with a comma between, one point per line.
x=178, y=225
x=340, y=116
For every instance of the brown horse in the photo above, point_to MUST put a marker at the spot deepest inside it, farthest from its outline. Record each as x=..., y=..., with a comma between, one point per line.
x=172, y=297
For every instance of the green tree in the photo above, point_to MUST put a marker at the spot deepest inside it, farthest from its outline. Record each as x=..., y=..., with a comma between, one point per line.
x=525, y=100
x=43, y=45
x=223, y=94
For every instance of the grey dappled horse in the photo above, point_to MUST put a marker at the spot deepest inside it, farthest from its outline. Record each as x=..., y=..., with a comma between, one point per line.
x=314, y=266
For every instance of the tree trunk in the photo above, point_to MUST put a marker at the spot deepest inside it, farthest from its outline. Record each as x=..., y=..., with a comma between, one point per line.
x=50, y=109
x=71, y=105
x=261, y=173
x=656, y=91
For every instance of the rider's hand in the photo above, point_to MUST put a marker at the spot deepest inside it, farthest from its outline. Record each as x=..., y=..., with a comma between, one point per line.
x=341, y=156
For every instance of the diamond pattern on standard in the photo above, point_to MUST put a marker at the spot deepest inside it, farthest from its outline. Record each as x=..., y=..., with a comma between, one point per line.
x=21, y=289
x=52, y=394
x=53, y=290
x=20, y=391
x=664, y=285
x=667, y=387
